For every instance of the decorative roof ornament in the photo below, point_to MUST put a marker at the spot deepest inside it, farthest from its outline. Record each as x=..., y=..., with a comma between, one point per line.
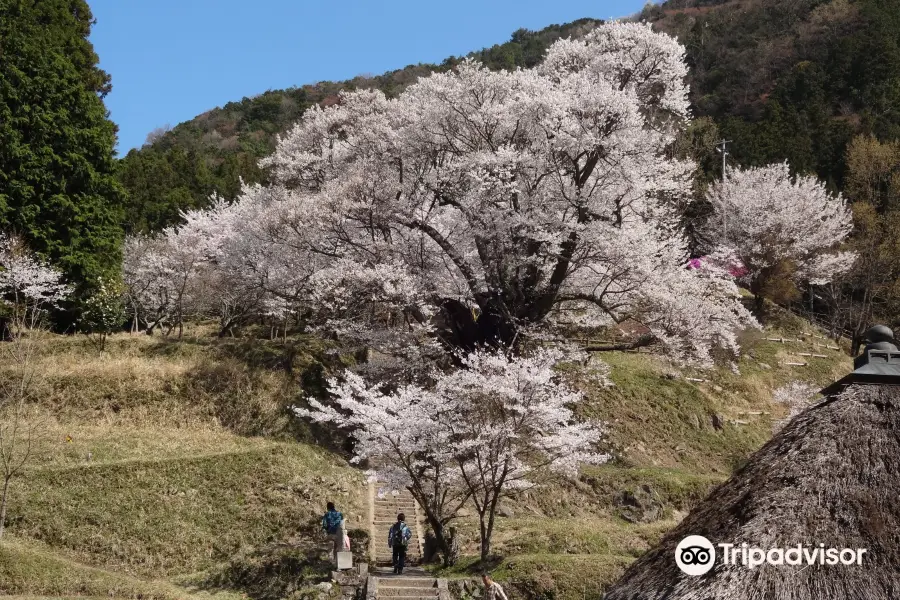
x=879, y=363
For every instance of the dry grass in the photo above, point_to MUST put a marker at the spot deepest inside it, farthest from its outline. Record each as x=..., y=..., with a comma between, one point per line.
x=68, y=444
x=598, y=536
x=828, y=477
x=31, y=571
x=159, y=459
x=659, y=421
x=166, y=516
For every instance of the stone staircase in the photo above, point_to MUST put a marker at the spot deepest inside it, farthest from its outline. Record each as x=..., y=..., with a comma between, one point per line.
x=387, y=503
x=407, y=588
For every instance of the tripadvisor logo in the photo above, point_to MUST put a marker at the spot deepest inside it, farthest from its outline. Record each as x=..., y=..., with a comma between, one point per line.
x=696, y=555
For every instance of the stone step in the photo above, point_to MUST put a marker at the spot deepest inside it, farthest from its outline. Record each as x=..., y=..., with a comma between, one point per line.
x=382, y=529
x=388, y=556
x=383, y=548
x=386, y=589
x=407, y=582
x=386, y=522
x=384, y=516
x=387, y=559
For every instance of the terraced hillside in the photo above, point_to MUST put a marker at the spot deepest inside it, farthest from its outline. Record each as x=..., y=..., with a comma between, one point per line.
x=169, y=469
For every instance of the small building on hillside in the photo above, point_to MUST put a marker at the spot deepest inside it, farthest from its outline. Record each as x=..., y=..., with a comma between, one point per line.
x=830, y=479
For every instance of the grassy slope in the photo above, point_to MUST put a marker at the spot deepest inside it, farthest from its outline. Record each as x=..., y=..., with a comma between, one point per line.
x=174, y=485
x=193, y=464
x=27, y=567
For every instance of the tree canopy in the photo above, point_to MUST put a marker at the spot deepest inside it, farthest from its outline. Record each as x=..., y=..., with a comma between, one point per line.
x=57, y=173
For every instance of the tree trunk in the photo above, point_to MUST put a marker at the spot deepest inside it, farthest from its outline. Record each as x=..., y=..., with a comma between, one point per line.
x=485, y=539
x=3, y=503
x=759, y=306
x=441, y=540
x=494, y=327
x=857, y=342
x=436, y=525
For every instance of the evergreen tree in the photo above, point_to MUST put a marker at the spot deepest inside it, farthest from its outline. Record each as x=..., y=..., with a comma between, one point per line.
x=57, y=182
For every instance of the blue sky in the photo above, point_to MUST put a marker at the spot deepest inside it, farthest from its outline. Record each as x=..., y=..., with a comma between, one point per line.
x=171, y=60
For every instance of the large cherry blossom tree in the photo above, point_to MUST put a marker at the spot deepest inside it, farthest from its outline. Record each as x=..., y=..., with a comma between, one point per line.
x=528, y=196
x=780, y=227
x=478, y=207
x=493, y=428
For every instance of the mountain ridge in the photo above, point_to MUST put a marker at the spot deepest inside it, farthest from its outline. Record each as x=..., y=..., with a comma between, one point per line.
x=784, y=80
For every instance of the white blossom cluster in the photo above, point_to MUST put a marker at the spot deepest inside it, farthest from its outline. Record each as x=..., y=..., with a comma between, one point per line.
x=765, y=216
x=27, y=283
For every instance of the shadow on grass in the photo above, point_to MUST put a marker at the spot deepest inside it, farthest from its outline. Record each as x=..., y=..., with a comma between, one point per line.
x=471, y=566
x=282, y=570
x=271, y=573
x=250, y=384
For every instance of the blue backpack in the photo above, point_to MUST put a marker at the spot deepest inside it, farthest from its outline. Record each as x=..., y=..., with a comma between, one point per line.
x=332, y=521
x=400, y=534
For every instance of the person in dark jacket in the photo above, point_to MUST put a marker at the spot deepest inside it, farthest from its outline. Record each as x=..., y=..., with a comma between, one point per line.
x=333, y=525
x=398, y=541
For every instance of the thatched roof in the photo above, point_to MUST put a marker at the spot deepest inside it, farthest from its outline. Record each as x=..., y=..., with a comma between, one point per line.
x=831, y=476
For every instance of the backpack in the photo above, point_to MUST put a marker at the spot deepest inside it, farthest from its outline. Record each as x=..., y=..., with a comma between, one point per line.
x=401, y=535
x=333, y=521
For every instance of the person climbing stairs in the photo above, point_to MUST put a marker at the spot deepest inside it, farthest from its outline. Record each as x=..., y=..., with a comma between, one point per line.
x=388, y=504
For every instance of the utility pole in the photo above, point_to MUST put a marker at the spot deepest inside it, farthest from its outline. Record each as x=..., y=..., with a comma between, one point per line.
x=722, y=148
